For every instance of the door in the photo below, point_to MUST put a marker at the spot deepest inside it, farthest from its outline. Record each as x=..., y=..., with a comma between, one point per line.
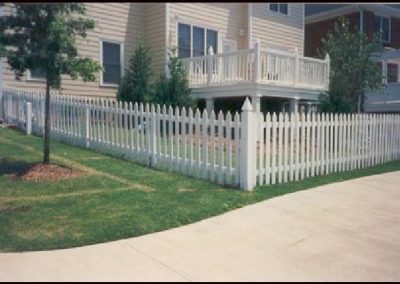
x=229, y=61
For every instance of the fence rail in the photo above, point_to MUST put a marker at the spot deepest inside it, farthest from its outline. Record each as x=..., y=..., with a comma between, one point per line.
x=240, y=150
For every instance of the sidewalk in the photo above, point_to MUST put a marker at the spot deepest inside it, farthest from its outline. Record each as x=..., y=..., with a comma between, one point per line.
x=343, y=231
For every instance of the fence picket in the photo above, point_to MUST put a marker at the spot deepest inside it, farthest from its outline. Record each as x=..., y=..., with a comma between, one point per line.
x=228, y=149
x=206, y=122
x=273, y=150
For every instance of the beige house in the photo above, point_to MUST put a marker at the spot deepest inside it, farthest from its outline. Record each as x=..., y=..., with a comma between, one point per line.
x=230, y=50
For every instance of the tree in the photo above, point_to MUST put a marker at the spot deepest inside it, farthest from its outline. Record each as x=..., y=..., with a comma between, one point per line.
x=173, y=88
x=353, y=68
x=136, y=83
x=42, y=36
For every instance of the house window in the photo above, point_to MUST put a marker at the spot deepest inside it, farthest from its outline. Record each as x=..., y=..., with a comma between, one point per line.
x=198, y=41
x=382, y=27
x=37, y=74
x=279, y=8
x=392, y=73
x=112, y=63
x=195, y=41
x=184, y=36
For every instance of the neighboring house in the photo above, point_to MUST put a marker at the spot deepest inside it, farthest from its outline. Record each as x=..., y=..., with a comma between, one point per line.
x=368, y=18
x=274, y=69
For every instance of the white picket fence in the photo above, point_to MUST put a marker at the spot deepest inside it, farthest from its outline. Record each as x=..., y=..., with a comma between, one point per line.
x=240, y=150
x=292, y=147
x=177, y=139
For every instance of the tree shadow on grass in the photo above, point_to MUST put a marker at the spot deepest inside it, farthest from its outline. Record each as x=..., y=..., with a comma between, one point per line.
x=9, y=166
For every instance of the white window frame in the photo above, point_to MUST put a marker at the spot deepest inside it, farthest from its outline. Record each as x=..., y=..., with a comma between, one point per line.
x=121, y=45
x=390, y=27
x=30, y=78
x=279, y=9
x=191, y=24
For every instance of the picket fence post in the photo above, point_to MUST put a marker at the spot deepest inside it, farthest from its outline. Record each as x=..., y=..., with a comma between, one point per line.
x=247, y=148
x=28, y=114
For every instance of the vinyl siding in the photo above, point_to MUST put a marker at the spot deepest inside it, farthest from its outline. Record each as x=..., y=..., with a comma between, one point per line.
x=154, y=33
x=120, y=22
x=226, y=18
x=278, y=30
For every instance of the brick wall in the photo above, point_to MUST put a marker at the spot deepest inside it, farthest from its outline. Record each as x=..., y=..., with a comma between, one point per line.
x=394, y=33
x=315, y=32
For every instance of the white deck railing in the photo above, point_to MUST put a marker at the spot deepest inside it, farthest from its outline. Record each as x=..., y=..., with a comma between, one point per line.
x=259, y=66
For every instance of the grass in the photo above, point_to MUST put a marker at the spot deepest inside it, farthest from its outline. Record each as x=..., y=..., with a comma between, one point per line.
x=116, y=199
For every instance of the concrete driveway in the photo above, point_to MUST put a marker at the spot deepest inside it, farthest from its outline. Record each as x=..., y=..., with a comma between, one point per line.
x=343, y=231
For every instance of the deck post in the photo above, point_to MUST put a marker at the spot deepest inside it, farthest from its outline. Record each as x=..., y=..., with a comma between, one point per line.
x=209, y=105
x=257, y=65
x=256, y=103
x=296, y=68
x=294, y=105
x=384, y=72
x=328, y=66
x=247, y=164
x=210, y=65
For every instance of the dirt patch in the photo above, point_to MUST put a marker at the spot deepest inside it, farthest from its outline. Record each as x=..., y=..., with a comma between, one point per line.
x=15, y=209
x=46, y=172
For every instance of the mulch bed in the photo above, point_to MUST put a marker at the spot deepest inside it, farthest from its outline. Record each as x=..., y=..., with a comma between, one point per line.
x=47, y=172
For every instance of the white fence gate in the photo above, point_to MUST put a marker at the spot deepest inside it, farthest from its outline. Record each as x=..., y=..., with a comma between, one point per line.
x=240, y=150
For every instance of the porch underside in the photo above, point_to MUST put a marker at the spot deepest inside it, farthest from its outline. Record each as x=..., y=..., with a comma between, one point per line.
x=256, y=90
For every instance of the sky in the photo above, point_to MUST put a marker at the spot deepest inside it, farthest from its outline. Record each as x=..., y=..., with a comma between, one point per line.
x=316, y=8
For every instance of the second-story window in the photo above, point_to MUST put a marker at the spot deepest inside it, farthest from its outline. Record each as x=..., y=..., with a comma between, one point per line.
x=112, y=63
x=195, y=41
x=382, y=27
x=279, y=8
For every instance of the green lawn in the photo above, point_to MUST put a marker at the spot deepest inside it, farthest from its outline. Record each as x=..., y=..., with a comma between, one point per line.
x=116, y=199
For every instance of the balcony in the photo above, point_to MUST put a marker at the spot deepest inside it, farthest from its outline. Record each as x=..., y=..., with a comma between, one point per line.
x=258, y=66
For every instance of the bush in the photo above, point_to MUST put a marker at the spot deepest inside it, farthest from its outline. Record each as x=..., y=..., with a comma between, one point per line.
x=136, y=85
x=173, y=90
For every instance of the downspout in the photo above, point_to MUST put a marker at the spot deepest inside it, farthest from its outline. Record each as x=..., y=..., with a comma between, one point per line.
x=166, y=37
x=1, y=74
x=249, y=24
x=361, y=23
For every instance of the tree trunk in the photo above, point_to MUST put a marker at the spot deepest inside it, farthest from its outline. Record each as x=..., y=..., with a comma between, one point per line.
x=46, y=149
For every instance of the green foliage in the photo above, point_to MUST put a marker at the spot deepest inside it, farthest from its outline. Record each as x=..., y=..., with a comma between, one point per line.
x=136, y=83
x=353, y=68
x=42, y=36
x=174, y=89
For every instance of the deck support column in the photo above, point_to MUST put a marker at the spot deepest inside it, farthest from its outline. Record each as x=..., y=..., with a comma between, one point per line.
x=256, y=103
x=209, y=105
x=294, y=105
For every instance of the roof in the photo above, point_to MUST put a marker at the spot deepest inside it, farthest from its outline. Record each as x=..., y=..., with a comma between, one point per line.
x=320, y=12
